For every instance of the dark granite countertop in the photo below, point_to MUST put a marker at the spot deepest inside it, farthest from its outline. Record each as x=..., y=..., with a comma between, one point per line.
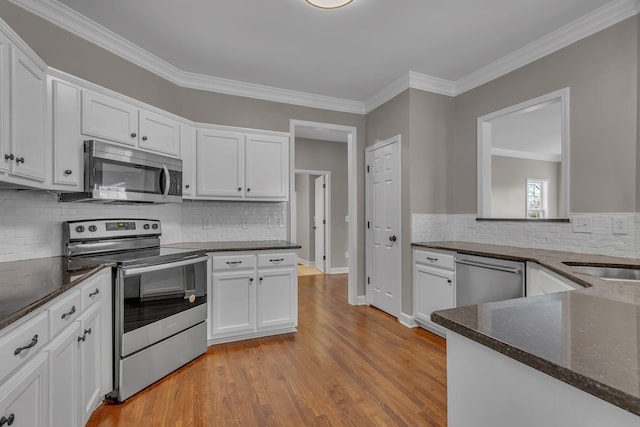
x=29, y=284
x=249, y=245
x=588, y=338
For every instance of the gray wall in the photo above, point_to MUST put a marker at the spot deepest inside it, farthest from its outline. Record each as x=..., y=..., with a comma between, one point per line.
x=305, y=204
x=509, y=183
x=67, y=52
x=331, y=156
x=602, y=72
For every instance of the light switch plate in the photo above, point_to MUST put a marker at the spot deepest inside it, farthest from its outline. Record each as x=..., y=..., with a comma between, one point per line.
x=206, y=223
x=581, y=224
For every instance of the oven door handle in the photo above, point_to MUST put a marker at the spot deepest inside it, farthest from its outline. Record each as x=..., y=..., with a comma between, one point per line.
x=133, y=271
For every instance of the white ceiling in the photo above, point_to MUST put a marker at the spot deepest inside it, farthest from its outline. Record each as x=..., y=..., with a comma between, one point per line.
x=350, y=53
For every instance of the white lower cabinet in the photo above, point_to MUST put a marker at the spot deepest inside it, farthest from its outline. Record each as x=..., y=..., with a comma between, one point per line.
x=433, y=287
x=24, y=398
x=59, y=381
x=252, y=296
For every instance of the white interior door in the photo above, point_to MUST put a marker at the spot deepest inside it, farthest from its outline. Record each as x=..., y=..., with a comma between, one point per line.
x=383, y=192
x=319, y=223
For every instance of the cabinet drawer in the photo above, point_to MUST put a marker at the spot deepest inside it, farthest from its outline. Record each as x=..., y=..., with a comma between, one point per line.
x=22, y=343
x=434, y=259
x=234, y=262
x=94, y=291
x=65, y=312
x=277, y=260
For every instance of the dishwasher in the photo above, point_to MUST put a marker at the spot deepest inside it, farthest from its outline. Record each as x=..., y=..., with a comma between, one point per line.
x=481, y=279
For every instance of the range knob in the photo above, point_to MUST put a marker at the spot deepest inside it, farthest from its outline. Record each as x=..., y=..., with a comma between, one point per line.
x=93, y=228
x=80, y=228
x=154, y=226
x=146, y=226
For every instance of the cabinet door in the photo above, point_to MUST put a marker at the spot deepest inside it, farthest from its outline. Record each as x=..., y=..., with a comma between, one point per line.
x=159, y=133
x=108, y=118
x=64, y=385
x=5, y=138
x=233, y=303
x=267, y=167
x=277, y=298
x=433, y=290
x=220, y=164
x=23, y=400
x=28, y=95
x=67, y=139
x=90, y=360
x=188, y=156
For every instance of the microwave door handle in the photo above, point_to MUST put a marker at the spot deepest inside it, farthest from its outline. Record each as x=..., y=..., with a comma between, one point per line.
x=167, y=181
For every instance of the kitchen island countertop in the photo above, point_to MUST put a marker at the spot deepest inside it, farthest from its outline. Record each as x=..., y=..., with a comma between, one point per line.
x=588, y=338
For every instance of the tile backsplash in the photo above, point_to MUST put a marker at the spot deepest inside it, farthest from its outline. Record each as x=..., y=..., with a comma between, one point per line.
x=607, y=233
x=30, y=221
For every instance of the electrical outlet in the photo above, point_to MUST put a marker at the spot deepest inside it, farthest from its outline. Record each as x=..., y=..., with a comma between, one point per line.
x=346, y=218
x=622, y=225
x=269, y=223
x=206, y=223
x=243, y=223
x=581, y=224
x=346, y=255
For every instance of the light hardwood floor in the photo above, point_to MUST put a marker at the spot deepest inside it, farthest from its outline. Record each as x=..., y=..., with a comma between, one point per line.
x=346, y=366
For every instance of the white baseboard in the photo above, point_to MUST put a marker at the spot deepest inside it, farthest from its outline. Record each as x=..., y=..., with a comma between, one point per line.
x=307, y=263
x=339, y=270
x=407, y=320
x=361, y=300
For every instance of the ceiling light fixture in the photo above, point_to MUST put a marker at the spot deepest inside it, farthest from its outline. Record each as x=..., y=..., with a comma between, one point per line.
x=329, y=4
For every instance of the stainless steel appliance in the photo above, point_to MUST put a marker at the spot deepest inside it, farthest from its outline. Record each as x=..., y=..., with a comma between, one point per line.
x=116, y=174
x=160, y=297
x=482, y=279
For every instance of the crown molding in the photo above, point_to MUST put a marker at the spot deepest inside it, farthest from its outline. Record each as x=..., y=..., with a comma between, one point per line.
x=76, y=23
x=604, y=17
x=72, y=21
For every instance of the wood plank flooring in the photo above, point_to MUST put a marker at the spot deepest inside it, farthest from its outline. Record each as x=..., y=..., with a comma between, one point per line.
x=346, y=366
x=307, y=270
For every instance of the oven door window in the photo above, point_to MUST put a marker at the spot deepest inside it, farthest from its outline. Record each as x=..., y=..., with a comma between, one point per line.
x=110, y=175
x=155, y=295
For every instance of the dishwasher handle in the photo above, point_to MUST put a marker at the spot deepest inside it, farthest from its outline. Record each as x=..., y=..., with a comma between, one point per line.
x=490, y=266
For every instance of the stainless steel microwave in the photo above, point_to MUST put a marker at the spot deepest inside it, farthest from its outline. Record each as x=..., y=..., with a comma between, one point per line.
x=117, y=174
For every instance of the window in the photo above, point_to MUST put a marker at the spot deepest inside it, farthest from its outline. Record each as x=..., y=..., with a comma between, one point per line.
x=536, y=198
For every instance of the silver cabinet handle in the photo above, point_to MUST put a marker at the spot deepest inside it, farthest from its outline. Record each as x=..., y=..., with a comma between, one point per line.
x=234, y=262
x=94, y=293
x=432, y=259
x=490, y=266
x=278, y=260
x=33, y=342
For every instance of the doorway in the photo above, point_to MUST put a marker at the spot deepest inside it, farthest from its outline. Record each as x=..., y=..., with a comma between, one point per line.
x=348, y=136
x=384, y=261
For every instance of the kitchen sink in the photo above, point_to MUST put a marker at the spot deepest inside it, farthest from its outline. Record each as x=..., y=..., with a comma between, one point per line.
x=608, y=273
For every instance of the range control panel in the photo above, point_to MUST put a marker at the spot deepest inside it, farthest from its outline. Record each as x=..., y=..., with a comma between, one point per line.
x=110, y=228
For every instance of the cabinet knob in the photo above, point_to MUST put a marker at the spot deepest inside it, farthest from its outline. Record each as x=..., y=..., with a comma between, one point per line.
x=248, y=189
x=7, y=420
x=9, y=157
x=68, y=172
x=239, y=188
x=187, y=186
x=250, y=279
x=393, y=238
x=133, y=134
x=144, y=138
x=19, y=160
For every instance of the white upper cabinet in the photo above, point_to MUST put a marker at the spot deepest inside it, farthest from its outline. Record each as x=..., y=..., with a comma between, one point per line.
x=266, y=167
x=188, y=156
x=115, y=120
x=220, y=164
x=108, y=118
x=67, y=140
x=237, y=165
x=22, y=114
x=159, y=133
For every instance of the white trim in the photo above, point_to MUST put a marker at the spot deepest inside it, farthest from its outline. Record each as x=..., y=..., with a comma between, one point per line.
x=17, y=41
x=360, y=300
x=387, y=93
x=518, y=154
x=484, y=150
x=305, y=262
x=339, y=270
x=407, y=320
x=397, y=139
x=352, y=183
x=591, y=23
x=311, y=172
x=81, y=26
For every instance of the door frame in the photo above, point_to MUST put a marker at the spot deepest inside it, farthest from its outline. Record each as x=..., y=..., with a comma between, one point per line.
x=352, y=168
x=368, y=209
x=327, y=213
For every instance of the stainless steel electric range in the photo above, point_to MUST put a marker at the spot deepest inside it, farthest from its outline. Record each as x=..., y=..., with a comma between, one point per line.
x=160, y=297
